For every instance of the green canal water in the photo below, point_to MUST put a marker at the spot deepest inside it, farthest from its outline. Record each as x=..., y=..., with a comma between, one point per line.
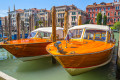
x=43, y=69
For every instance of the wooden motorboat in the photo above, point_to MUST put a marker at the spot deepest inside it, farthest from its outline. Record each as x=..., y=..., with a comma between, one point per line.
x=86, y=47
x=34, y=46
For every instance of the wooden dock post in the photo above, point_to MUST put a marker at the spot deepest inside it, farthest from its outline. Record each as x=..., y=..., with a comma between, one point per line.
x=18, y=25
x=65, y=23
x=53, y=29
x=23, y=29
x=9, y=27
x=30, y=24
x=79, y=20
x=6, y=27
x=2, y=31
x=33, y=25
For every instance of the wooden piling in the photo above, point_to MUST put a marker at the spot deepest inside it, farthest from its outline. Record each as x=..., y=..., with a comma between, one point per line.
x=9, y=27
x=53, y=29
x=18, y=25
x=79, y=20
x=23, y=29
x=30, y=24
x=53, y=24
x=65, y=23
x=6, y=27
x=2, y=31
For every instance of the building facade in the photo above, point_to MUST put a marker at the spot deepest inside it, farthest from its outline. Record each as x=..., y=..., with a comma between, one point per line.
x=111, y=10
x=44, y=16
x=73, y=14
x=60, y=12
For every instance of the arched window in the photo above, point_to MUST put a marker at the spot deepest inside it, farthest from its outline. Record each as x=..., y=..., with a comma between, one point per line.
x=92, y=15
x=108, y=14
x=92, y=10
x=96, y=9
x=116, y=8
x=96, y=14
x=100, y=9
x=114, y=20
x=115, y=14
x=89, y=10
x=89, y=15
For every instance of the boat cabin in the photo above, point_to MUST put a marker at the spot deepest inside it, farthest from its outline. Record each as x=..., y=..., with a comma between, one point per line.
x=91, y=32
x=45, y=33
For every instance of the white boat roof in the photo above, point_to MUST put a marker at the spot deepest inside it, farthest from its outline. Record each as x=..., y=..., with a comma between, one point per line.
x=91, y=26
x=46, y=29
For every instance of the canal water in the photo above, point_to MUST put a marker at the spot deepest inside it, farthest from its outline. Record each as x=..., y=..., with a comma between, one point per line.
x=43, y=69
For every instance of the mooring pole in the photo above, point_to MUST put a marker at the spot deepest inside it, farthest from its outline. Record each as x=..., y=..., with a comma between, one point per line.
x=79, y=20
x=9, y=27
x=6, y=27
x=53, y=29
x=65, y=23
x=23, y=29
x=33, y=24
x=29, y=24
x=18, y=25
x=2, y=31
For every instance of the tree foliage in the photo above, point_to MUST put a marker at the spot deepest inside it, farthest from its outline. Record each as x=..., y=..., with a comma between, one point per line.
x=105, y=20
x=117, y=25
x=99, y=19
x=40, y=22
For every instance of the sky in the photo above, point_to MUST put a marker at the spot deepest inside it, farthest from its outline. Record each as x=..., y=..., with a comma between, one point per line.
x=42, y=4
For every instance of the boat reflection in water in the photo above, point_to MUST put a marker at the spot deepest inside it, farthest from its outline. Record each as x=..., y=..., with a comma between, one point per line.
x=35, y=46
x=4, y=55
x=90, y=46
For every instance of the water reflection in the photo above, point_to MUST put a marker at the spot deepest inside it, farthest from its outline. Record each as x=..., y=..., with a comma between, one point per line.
x=5, y=55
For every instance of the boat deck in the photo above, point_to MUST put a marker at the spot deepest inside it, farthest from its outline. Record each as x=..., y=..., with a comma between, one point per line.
x=79, y=47
x=26, y=41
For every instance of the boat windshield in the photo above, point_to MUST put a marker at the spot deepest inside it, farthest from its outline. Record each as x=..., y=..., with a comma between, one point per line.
x=95, y=35
x=32, y=34
x=75, y=33
x=43, y=35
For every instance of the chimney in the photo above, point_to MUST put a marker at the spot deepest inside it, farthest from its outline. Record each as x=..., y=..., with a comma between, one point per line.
x=114, y=0
x=94, y=4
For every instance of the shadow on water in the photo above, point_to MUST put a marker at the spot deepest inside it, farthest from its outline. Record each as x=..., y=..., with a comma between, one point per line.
x=36, y=65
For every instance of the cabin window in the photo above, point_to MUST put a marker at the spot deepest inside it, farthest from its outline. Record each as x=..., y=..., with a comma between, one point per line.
x=32, y=34
x=95, y=35
x=75, y=33
x=43, y=34
x=39, y=35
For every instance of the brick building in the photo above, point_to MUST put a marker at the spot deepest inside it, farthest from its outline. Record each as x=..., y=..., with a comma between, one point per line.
x=111, y=10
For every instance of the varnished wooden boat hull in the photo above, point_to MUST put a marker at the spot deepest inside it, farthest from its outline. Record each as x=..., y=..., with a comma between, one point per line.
x=76, y=64
x=27, y=50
